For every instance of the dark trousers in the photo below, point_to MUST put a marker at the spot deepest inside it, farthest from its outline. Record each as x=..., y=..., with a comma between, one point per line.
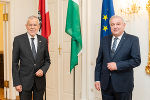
x=110, y=94
x=27, y=95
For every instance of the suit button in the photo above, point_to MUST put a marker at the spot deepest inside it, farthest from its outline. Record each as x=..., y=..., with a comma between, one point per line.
x=34, y=64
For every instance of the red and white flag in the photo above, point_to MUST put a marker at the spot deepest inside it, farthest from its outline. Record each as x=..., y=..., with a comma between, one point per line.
x=44, y=19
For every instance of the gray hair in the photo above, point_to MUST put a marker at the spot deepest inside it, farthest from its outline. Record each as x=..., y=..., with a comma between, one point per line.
x=33, y=17
x=116, y=16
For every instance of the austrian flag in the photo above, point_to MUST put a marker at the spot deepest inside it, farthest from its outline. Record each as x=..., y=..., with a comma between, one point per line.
x=44, y=18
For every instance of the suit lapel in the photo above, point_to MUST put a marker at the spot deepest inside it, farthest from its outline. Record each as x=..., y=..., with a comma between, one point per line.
x=120, y=44
x=109, y=44
x=39, y=46
x=28, y=46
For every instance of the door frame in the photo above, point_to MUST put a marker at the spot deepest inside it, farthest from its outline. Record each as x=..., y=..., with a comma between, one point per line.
x=9, y=92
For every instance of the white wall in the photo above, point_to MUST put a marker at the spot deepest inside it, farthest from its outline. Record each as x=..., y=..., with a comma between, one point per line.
x=139, y=27
x=94, y=22
x=22, y=9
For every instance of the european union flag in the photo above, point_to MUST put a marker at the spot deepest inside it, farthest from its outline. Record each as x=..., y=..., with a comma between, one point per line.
x=107, y=12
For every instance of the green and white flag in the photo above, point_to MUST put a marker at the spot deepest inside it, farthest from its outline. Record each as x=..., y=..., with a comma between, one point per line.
x=73, y=28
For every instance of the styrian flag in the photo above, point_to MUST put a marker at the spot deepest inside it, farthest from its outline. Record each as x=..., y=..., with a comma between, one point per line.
x=73, y=28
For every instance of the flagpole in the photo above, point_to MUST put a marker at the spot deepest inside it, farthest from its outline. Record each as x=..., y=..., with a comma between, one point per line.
x=74, y=94
x=45, y=87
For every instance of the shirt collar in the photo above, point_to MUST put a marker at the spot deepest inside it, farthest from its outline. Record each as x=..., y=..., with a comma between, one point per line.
x=119, y=37
x=29, y=36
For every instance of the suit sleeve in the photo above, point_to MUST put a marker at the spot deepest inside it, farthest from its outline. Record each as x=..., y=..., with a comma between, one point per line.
x=99, y=61
x=47, y=62
x=135, y=58
x=15, y=61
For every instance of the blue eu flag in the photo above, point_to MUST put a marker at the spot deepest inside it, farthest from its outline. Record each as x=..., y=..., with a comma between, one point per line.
x=107, y=12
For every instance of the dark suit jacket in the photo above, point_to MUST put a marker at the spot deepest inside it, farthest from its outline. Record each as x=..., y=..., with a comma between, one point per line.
x=127, y=56
x=24, y=66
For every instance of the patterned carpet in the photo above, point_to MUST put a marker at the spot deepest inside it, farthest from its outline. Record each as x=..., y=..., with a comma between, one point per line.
x=1, y=94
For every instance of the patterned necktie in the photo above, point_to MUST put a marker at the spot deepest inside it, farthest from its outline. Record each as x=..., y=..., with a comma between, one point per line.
x=33, y=48
x=114, y=46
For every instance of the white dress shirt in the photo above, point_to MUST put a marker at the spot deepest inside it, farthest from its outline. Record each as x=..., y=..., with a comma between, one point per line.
x=118, y=40
x=35, y=41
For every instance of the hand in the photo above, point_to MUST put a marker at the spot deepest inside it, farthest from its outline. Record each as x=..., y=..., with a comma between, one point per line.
x=19, y=88
x=39, y=73
x=112, y=66
x=97, y=86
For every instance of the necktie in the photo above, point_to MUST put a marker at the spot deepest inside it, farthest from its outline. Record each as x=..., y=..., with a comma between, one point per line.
x=33, y=48
x=114, y=46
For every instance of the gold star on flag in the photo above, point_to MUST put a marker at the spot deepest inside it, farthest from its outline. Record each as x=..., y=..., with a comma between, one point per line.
x=105, y=17
x=105, y=28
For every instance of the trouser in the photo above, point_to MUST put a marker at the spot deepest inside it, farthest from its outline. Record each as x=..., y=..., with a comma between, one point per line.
x=110, y=94
x=27, y=95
